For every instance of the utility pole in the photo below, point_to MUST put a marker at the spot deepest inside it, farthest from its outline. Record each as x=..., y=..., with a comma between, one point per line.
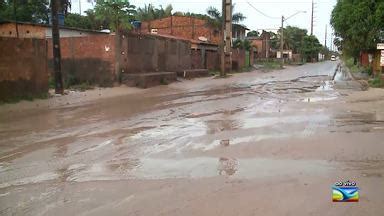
x=226, y=58
x=56, y=47
x=325, y=38
x=312, y=18
x=222, y=44
x=282, y=42
x=80, y=7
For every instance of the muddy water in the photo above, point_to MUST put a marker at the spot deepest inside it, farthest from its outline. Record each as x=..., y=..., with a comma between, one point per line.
x=166, y=150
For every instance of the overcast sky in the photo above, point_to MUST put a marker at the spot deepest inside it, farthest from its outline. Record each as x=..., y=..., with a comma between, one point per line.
x=272, y=9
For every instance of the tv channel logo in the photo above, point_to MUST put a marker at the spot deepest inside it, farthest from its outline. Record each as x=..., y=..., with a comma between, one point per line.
x=345, y=192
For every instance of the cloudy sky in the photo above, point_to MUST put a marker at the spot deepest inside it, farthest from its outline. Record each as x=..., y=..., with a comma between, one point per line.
x=267, y=16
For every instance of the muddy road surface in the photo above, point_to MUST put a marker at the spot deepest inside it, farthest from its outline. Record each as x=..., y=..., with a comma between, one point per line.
x=253, y=144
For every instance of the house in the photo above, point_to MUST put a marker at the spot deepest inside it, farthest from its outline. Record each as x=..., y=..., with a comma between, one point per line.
x=262, y=44
x=238, y=32
x=41, y=31
x=186, y=27
x=287, y=54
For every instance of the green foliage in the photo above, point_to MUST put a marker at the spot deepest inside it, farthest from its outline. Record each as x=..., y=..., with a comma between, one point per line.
x=377, y=82
x=237, y=44
x=81, y=87
x=358, y=24
x=78, y=21
x=253, y=34
x=35, y=11
x=274, y=40
x=293, y=38
x=118, y=14
x=247, y=45
x=242, y=44
x=270, y=64
x=310, y=47
x=217, y=17
x=150, y=12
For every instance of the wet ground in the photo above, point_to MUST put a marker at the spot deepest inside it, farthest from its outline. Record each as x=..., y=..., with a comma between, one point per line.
x=252, y=144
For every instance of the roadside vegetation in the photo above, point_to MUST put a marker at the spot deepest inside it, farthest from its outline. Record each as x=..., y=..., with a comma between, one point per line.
x=359, y=26
x=27, y=97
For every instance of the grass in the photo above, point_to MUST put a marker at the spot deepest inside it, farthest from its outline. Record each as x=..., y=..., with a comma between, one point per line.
x=270, y=65
x=246, y=69
x=376, y=82
x=81, y=87
x=27, y=97
x=356, y=68
x=164, y=81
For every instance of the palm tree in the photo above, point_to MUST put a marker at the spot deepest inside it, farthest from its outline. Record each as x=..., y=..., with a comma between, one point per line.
x=217, y=17
x=149, y=12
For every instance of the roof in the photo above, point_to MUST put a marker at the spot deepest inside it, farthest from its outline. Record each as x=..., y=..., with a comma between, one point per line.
x=49, y=26
x=239, y=26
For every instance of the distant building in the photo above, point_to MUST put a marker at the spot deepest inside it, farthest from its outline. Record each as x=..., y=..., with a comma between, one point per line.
x=262, y=44
x=287, y=54
x=33, y=30
x=238, y=32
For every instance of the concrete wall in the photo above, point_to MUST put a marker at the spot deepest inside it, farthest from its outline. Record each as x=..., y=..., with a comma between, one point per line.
x=23, y=68
x=208, y=59
x=151, y=53
x=86, y=59
x=182, y=26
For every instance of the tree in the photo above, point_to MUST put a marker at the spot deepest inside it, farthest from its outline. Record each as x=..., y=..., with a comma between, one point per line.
x=118, y=14
x=35, y=11
x=78, y=21
x=149, y=12
x=217, y=18
x=359, y=24
x=310, y=47
x=293, y=38
x=242, y=44
x=253, y=34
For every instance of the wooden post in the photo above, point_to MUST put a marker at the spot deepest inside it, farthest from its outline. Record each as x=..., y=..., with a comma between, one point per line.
x=59, y=89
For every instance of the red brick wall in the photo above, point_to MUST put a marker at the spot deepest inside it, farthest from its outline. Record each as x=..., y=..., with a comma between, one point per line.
x=182, y=26
x=25, y=30
x=238, y=59
x=87, y=59
x=23, y=68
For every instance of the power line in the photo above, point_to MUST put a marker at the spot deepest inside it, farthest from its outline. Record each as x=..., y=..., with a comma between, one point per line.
x=266, y=15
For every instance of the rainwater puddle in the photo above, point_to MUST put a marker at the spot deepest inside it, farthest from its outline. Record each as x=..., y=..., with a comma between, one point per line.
x=326, y=86
x=318, y=99
x=203, y=167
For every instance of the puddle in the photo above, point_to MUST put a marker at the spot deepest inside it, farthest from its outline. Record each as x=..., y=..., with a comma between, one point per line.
x=318, y=99
x=326, y=86
x=30, y=180
x=204, y=167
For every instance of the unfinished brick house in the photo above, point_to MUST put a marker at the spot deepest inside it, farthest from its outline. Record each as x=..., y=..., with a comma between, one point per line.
x=186, y=27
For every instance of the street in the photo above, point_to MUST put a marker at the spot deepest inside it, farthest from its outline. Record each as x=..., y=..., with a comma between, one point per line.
x=257, y=143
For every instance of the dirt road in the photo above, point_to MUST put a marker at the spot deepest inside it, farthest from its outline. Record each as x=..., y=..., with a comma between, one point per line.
x=252, y=144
